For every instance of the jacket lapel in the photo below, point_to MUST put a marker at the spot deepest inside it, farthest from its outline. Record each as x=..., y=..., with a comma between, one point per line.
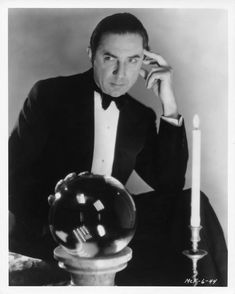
x=128, y=142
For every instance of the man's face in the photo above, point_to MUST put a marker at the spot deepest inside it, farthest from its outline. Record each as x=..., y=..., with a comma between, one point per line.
x=117, y=62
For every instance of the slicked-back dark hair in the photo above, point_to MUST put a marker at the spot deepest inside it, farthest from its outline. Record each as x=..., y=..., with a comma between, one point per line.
x=119, y=23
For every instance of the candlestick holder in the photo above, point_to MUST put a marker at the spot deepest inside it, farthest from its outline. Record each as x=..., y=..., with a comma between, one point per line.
x=195, y=254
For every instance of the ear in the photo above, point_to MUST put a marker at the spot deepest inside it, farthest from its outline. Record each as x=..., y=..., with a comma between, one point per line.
x=88, y=50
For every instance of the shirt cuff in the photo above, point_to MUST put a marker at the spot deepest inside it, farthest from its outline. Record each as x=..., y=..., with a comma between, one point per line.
x=173, y=121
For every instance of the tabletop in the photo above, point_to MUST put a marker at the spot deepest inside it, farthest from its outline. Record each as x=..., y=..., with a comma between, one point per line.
x=28, y=271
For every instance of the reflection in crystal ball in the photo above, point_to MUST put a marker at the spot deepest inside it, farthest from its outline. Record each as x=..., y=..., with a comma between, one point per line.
x=92, y=215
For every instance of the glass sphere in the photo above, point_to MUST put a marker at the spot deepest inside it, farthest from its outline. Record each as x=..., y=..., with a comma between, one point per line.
x=91, y=215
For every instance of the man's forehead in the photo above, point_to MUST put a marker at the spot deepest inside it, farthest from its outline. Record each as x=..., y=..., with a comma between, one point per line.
x=128, y=42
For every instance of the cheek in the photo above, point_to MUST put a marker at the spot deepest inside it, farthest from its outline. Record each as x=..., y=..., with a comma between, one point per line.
x=108, y=74
x=104, y=69
x=105, y=74
x=101, y=72
x=133, y=74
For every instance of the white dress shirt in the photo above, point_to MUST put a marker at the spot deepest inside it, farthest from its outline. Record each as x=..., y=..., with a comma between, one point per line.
x=106, y=122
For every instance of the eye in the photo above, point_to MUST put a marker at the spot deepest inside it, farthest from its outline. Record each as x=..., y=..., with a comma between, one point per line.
x=133, y=60
x=108, y=58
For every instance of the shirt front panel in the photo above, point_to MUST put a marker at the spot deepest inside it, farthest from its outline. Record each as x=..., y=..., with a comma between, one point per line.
x=105, y=132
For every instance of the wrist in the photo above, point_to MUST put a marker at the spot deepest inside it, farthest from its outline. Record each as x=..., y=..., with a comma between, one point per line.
x=169, y=105
x=171, y=112
x=175, y=116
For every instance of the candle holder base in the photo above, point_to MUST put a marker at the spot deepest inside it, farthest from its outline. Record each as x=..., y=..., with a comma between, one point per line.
x=195, y=254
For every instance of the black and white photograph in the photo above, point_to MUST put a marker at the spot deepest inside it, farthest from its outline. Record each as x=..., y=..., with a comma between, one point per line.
x=118, y=147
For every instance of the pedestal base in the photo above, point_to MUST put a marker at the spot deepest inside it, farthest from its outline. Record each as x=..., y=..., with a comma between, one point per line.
x=99, y=271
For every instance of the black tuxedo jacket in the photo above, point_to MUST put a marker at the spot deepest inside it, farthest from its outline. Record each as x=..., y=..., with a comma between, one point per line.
x=54, y=136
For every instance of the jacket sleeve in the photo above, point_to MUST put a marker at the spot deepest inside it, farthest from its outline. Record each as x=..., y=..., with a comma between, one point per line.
x=26, y=143
x=162, y=162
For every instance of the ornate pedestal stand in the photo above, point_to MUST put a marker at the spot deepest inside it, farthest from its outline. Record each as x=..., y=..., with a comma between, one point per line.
x=195, y=254
x=99, y=271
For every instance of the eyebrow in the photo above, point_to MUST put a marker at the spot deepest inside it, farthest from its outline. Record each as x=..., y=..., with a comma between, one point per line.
x=114, y=56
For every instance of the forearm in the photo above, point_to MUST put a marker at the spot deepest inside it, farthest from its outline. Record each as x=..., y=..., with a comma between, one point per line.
x=163, y=161
x=173, y=153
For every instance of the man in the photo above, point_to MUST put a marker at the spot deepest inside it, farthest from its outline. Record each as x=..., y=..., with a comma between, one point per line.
x=67, y=125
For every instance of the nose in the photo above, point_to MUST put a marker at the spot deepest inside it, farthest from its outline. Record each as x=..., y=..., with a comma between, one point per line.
x=119, y=70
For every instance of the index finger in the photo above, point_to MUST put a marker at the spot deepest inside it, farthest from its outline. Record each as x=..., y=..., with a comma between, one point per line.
x=160, y=60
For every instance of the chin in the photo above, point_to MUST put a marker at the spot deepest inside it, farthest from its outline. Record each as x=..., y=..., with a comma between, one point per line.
x=119, y=93
x=116, y=95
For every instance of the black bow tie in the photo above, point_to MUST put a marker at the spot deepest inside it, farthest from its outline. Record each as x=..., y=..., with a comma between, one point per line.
x=107, y=99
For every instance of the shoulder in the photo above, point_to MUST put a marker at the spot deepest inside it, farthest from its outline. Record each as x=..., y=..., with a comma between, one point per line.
x=60, y=82
x=59, y=90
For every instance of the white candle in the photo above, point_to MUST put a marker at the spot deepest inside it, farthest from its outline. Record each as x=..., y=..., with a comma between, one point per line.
x=196, y=168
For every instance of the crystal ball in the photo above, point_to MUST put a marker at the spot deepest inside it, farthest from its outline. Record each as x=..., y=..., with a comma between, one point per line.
x=91, y=215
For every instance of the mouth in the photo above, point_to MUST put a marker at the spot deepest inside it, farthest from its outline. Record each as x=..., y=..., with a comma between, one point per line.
x=116, y=85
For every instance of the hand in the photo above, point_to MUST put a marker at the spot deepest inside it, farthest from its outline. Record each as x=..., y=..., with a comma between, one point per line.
x=61, y=183
x=159, y=78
